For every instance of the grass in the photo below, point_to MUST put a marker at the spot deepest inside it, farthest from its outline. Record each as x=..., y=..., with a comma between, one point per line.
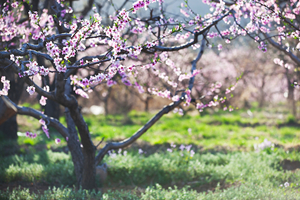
x=234, y=131
x=225, y=164
x=168, y=175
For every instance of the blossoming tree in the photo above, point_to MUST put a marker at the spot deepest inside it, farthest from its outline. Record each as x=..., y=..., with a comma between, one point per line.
x=59, y=37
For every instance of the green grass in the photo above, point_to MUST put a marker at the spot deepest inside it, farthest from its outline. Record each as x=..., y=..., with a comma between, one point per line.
x=240, y=175
x=221, y=129
x=236, y=130
x=245, y=191
x=46, y=166
x=239, y=172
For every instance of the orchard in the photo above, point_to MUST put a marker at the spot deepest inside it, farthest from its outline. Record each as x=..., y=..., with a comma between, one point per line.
x=132, y=46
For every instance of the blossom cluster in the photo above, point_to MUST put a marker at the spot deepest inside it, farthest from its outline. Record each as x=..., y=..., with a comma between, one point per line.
x=279, y=62
x=6, y=86
x=44, y=127
x=34, y=69
x=30, y=134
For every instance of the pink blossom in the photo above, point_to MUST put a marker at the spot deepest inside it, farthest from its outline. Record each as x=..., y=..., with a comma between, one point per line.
x=182, y=147
x=180, y=111
x=140, y=151
x=43, y=100
x=6, y=86
x=57, y=140
x=184, y=13
x=42, y=122
x=82, y=93
x=169, y=150
x=175, y=98
x=30, y=90
x=220, y=47
x=192, y=153
x=46, y=130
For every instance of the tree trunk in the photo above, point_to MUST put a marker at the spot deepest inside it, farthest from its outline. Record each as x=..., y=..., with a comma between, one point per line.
x=262, y=93
x=147, y=104
x=291, y=100
x=105, y=100
x=9, y=129
x=261, y=100
x=291, y=95
x=88, y=177
x=74, y=147
x=52, y=109
x=88, y=180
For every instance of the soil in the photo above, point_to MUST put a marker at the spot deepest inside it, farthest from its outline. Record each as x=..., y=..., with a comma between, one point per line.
x=290, y=165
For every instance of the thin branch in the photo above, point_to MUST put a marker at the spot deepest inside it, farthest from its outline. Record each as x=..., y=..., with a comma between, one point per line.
x=280, y=15
x=100, y=142
x=195, y=40
x=194, y=62
x=283, y=49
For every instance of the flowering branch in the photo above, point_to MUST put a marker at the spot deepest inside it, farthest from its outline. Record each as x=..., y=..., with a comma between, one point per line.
x=196, y=34
x=282, y=49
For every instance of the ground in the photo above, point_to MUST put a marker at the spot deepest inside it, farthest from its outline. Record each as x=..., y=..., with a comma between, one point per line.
x=231, y=154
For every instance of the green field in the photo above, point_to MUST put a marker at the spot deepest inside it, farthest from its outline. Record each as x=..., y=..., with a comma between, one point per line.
x=221, y=162
x=232, y=131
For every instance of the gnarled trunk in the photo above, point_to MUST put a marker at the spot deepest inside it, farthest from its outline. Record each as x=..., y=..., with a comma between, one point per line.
x=88, y=179
x=83, y=158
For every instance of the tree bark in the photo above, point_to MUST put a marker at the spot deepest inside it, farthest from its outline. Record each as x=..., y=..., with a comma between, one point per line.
x=73, y=140
x=88, y=178
x=74, y=147
x=291, y=100
x=147, y=103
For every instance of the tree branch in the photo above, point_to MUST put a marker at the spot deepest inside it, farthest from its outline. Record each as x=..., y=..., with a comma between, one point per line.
x=38, y=89
x=38, y=115
x=194, y=62
x=281, y=48
x=139, y=133
x=196, y=34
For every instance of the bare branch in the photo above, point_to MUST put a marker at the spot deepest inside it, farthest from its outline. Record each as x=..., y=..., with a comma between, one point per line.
x=39, y=115
x=194, y=62
x=100, y=142
x=139, y=133
x=24, y=50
